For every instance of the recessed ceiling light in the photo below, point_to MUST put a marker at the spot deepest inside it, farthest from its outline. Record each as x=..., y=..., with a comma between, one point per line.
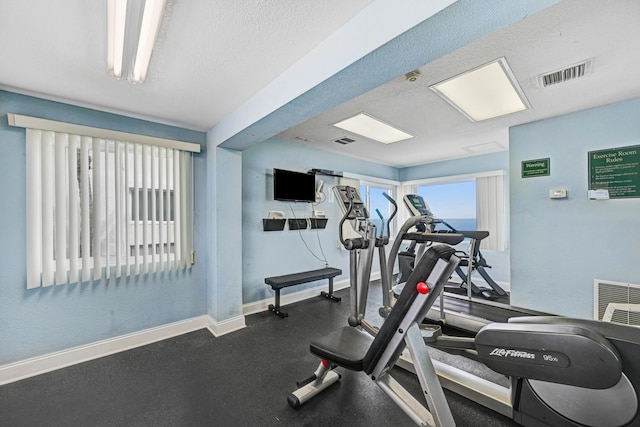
x=372, y=128
x=485, y=92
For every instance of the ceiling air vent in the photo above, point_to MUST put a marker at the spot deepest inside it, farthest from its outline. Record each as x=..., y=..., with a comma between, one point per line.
x=565, y=74
x=344, y=140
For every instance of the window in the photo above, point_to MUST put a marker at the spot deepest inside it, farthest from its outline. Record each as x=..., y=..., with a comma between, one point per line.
x=372, y=197
x=83, y=219
x=455, y=203
x=468, y=202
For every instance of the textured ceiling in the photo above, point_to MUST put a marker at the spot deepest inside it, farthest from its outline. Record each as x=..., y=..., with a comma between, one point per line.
x=224, y=67
x=563, y=34
x=211, y=56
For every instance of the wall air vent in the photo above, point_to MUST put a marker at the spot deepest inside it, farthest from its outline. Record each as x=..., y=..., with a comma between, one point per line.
x=616, y=302
x=344, y=140
x=562, y=75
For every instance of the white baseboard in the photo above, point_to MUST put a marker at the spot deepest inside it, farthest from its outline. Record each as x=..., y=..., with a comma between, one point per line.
x=225, y=326
x=61, y=359
x=263, y=305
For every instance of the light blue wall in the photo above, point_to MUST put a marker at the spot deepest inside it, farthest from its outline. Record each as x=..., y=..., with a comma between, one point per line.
x=475, y=164
x=558, y=247
x=281, y=252
x=40, y=321
x=224, y=234
x=499, y=260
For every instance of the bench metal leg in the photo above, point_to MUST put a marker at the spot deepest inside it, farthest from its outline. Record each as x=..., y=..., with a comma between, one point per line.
x=329, y=295
x=276, y=308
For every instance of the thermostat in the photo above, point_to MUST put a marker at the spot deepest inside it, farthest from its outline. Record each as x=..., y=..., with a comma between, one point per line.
x=558, y=193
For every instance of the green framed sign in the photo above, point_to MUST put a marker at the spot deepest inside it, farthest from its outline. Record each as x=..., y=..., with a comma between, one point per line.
x=537, y=167
x=616, y=170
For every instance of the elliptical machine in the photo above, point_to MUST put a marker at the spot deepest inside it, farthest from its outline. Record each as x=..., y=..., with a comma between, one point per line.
x=361, y=252
x=563, y=372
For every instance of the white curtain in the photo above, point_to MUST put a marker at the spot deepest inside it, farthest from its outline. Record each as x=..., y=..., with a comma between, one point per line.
x=490, y=211
x=97, y=207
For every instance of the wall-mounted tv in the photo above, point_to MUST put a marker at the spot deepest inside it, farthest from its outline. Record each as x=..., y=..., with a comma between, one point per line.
x=290, y=186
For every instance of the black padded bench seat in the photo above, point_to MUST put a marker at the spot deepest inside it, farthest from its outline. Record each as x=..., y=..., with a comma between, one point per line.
x=279, y=282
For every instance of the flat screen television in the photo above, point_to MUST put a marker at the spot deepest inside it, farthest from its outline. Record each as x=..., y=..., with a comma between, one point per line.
x=290, y=186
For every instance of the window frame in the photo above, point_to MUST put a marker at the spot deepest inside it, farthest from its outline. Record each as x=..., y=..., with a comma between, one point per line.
x=411, y=186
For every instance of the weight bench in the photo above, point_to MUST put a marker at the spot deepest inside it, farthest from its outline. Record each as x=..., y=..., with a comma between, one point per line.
x=279, y=282
x=353, y=349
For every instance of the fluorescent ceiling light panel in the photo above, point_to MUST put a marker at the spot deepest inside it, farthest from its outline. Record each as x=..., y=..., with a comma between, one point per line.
x=484, y=93
x=132, y=28
x=372, y=128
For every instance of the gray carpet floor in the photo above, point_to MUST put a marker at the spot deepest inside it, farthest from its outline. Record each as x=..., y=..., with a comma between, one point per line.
x=239, y=379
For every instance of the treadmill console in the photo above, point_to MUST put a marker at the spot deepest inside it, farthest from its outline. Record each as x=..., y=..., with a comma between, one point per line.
x=416, y=205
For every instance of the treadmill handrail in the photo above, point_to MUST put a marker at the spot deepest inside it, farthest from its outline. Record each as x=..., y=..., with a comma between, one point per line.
x=409, y=223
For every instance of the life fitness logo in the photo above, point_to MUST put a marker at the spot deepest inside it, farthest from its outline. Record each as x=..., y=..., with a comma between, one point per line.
x=519, y=354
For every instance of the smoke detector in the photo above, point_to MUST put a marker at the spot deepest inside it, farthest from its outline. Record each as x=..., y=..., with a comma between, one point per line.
x=412, y=76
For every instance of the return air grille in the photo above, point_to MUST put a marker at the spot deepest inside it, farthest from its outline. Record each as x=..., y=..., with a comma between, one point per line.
x=344, y=140
x=617, y=302
x=572, y=72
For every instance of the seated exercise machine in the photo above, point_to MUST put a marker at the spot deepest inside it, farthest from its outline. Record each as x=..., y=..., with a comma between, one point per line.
x=473, y=259
x=356, y=350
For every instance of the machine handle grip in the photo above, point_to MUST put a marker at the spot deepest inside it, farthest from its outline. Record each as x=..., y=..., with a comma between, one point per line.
x=395, y=210
x=382, y=221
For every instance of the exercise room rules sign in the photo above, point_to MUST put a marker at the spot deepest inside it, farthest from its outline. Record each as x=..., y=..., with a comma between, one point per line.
x=616, y=170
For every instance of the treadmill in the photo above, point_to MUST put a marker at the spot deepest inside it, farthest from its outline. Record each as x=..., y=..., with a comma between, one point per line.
x=460, y=311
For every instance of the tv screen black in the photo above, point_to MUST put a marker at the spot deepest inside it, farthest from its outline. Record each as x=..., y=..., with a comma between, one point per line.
x=290, y=186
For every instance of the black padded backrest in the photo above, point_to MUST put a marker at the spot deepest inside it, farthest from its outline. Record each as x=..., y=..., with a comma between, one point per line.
x=419, y=274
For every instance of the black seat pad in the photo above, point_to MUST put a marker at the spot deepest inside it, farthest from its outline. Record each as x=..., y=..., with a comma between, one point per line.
x=345, y=347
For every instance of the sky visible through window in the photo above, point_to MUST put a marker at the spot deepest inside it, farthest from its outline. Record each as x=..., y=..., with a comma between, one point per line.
x=453, y=202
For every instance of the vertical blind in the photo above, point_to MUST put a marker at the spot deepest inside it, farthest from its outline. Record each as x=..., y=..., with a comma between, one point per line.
x=490, y=211
x=99, y=207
